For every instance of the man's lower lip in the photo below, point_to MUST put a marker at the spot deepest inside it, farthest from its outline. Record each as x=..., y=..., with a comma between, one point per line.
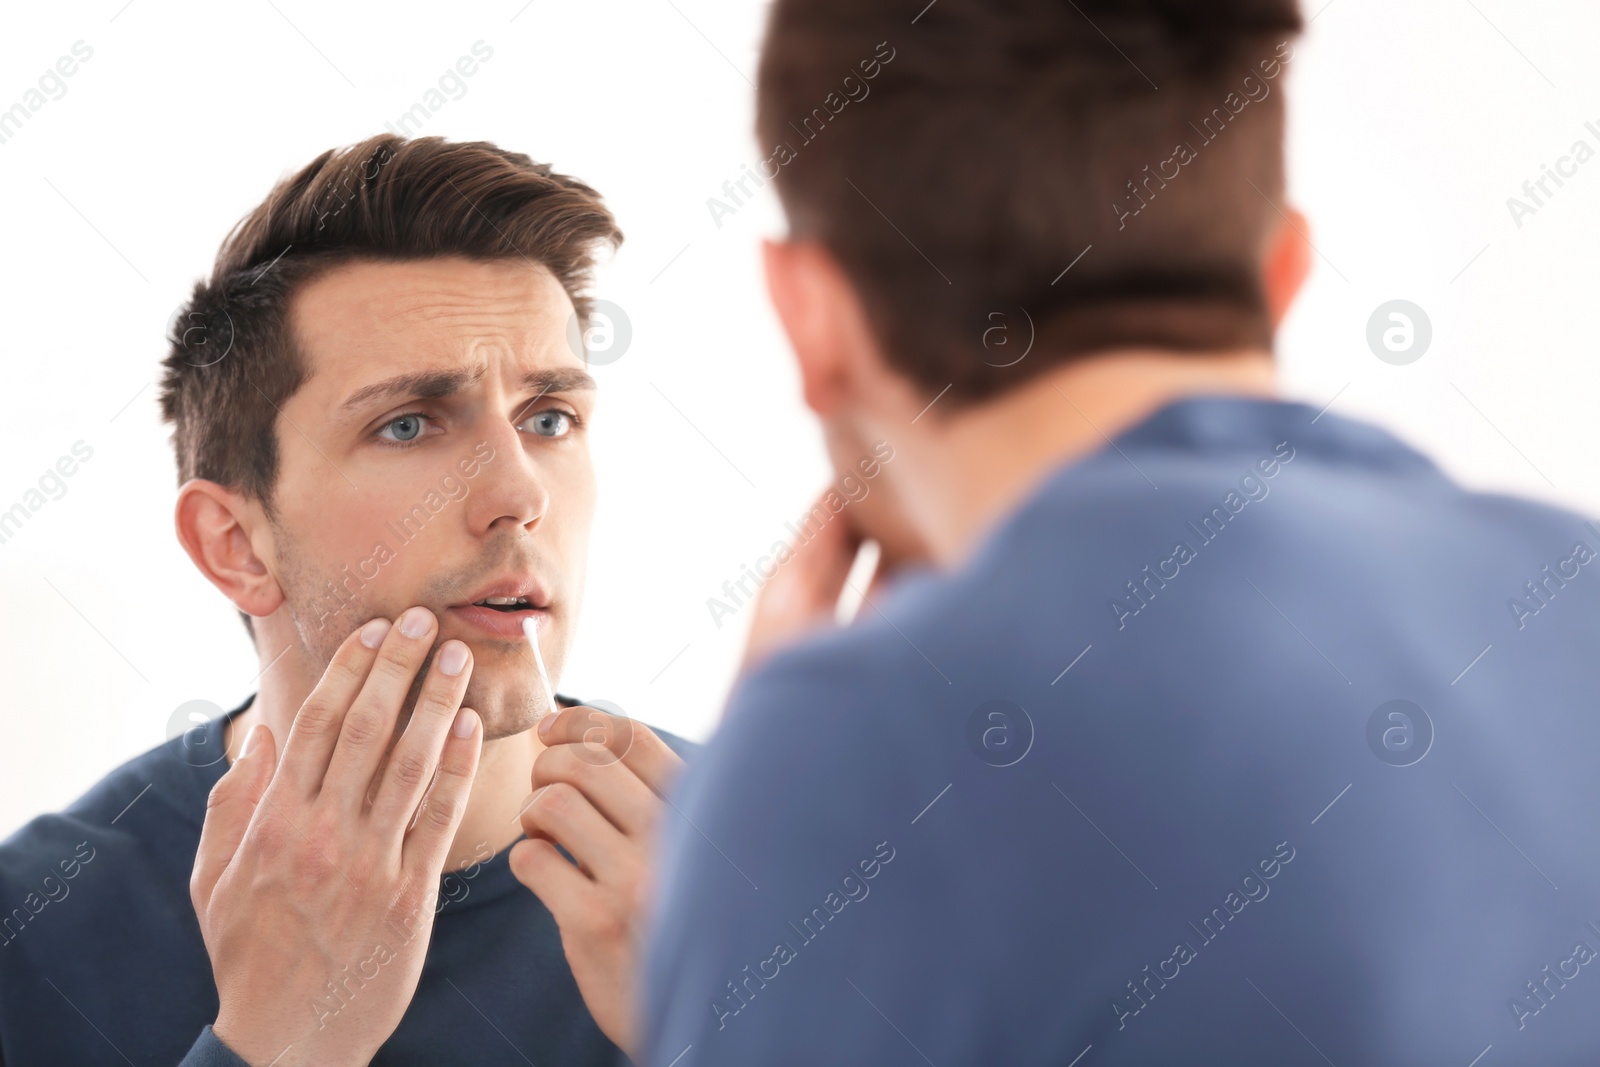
x=506, y=625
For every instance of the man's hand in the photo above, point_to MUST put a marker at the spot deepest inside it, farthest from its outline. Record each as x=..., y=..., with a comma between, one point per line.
x=804, y=593
x=314, y=889
x=596, y=794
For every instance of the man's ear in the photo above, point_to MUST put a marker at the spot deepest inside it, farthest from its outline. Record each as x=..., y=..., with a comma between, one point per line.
x=823, y=318
x=215, y=525
x=1287, y=264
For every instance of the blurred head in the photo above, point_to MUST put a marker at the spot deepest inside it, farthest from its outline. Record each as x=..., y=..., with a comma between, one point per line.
x=375, y=404
x=1027, y=183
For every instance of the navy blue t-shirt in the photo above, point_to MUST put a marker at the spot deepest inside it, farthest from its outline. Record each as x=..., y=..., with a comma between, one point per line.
x=1249, y=738
x=102, y=962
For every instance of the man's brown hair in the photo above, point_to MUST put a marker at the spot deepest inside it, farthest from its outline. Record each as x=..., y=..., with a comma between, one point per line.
x=232, y=359
x=957, y=161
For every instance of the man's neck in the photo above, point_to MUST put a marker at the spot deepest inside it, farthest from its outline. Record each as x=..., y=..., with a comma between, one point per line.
x=960, y=474
x=499, y=792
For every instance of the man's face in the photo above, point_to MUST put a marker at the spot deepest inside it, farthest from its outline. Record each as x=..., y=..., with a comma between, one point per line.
x=437, y=454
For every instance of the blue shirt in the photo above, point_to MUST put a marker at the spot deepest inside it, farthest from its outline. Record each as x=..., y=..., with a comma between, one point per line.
x=1250, y=737
x=102, y=962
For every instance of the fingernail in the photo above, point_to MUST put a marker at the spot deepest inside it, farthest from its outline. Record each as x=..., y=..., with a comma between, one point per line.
x=373, y=632
x=545, y=723
x=452, y=657
x=466, y=721
x=414, y=623
x=250, y=740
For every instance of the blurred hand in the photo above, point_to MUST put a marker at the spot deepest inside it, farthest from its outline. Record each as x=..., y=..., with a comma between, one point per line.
x=315, y=892
x=597, y=794
x=804, y=593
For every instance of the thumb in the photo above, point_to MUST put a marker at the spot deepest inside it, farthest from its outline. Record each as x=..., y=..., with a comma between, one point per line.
x=232, y=802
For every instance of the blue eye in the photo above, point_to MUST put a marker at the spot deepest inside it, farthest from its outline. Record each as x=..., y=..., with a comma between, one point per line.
x=405, y=428
x=552, y=423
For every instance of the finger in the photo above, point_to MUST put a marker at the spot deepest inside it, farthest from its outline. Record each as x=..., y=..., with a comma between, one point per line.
x=804, y=592
x=614, y=789
x=568, y=818
x=552, y=878
x=368, y=727
x=316, y=725
x=810, y=583
x=604, y=738
x=232, y=802
x=411, y=764
x=424, y=849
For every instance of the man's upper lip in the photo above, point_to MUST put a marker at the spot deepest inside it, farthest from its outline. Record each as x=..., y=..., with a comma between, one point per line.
x=524, y=586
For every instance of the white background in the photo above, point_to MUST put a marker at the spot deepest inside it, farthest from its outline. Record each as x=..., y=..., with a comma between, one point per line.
x=1411, y=124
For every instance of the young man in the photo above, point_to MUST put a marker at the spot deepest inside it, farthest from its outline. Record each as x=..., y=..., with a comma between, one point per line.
x=1225, y=731
x=381, y=431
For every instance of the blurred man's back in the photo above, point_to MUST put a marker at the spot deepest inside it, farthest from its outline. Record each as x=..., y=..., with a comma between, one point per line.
x=1220, y=729
x=1316, y=798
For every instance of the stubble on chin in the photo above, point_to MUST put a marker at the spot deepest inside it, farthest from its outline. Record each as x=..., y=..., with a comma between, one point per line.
x=507, y=707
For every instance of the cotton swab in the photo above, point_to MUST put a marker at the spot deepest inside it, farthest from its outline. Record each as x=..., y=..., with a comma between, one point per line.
x=530, y=630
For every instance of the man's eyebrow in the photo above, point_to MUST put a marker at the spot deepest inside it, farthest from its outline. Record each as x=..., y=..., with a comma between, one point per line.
x=420, y=385
x=558, y=380
x=443, y=383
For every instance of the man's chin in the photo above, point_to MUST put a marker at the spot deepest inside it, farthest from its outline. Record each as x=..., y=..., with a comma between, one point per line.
x=505, y=711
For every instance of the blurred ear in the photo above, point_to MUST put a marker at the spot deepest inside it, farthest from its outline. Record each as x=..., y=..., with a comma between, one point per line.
x=824, y=320
x=215, y=526
x=1287, y=264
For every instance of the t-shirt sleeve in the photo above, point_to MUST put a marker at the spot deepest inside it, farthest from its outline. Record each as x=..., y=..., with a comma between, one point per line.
x=209, y=1051
x=771, y=876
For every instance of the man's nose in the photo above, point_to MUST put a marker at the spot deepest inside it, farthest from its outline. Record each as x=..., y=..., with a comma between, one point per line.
x=509, y=487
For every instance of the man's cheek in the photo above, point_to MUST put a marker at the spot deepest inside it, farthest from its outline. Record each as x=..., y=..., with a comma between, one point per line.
x=368, y=568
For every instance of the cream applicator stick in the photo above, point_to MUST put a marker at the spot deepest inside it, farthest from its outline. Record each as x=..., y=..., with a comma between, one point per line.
x=530, y=630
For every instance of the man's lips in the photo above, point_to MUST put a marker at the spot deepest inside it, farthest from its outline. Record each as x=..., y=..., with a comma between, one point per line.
x=514, y=597
x=526, y=586
x=497, y=622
